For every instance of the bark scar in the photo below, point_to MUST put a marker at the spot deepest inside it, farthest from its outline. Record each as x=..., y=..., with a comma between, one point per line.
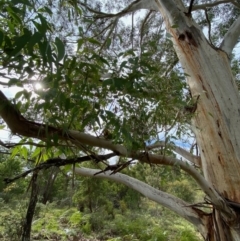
x=188, y=37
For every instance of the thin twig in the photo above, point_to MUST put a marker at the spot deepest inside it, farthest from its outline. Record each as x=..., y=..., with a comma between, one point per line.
x=209, y=27
x=143, y=24
x=57, y=162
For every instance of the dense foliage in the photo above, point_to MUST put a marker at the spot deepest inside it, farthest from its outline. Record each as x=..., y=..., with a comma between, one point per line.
x=109, y=80
x=94, y=209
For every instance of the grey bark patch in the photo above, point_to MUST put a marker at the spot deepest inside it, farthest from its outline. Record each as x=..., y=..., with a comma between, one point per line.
x=195, y=221
x=191, y=39
x=196, y=35
x=227, y=121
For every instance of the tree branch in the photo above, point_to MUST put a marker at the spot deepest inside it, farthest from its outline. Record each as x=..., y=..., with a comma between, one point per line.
x=110, y=31
x=210, y=5
x=182, y=152
x=18, y=124
x=215, y=198
x=134, y=6
x=3, y=83
x=231, y=37
x=58, y=162
x=193, y=215
x=143, y=25
x=11, y=145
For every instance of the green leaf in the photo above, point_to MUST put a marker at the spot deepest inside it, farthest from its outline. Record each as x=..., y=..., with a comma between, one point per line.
x=79, y=11
x=2, y=127
x=20, y=43
x=129, y=52
x=69, y=15
x=120, y=38
x=45, y=156
x=107, y=82
x=14, y=81
x=120, y=83
x=123, y=64
x=29, y=71
x=24, y=152
x=55, y=138
x=126, y=134
x=44, y=26
x=98, y=57
x=110, y=114
x=15, y=151
x=45, y=10
x=36, y=152
x=89, y=119
x=25, y=2
x=108, y=43
x=11, y=26
x=60, y=49
x=36, y=38
x=27, y=94
x=72, y=65
x=49, y=54
x=1, y=38
x=67, y=104
x=14, y=15
x=168, y=35
x=18, y=94
x=80, y=43
x=93, y=41
x=43, y=50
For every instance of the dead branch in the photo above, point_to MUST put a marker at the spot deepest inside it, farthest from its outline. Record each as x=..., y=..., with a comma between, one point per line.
x=58, y=162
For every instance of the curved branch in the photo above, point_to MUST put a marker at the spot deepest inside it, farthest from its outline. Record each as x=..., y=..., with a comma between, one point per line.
x=114, y=23
x=4, y=83
x=210, y=5
x=18, y=124
x=209, y=27
x=58, y=162
x=30, y=143
x=190, y=157
x=182, y=208
x=143, y=25
x=231, y=37
x=134, y=6
x=209, y=190
x=182, y=152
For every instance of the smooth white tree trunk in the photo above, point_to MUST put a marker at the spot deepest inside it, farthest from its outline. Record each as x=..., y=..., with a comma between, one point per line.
x=217, y=118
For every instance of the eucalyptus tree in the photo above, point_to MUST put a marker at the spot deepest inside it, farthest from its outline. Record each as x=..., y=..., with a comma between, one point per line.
x=122, y=85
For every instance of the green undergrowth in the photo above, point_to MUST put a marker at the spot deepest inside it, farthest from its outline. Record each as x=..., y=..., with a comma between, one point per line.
x=153, y=223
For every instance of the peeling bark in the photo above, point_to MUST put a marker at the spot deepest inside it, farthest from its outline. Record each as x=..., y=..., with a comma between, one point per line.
x=216, y=121
x=210, y=76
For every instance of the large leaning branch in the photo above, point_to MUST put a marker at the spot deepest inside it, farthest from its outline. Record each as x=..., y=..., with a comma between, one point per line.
x=20, y=125
x=231, y=37
x=216, y=199
x=175, y=204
